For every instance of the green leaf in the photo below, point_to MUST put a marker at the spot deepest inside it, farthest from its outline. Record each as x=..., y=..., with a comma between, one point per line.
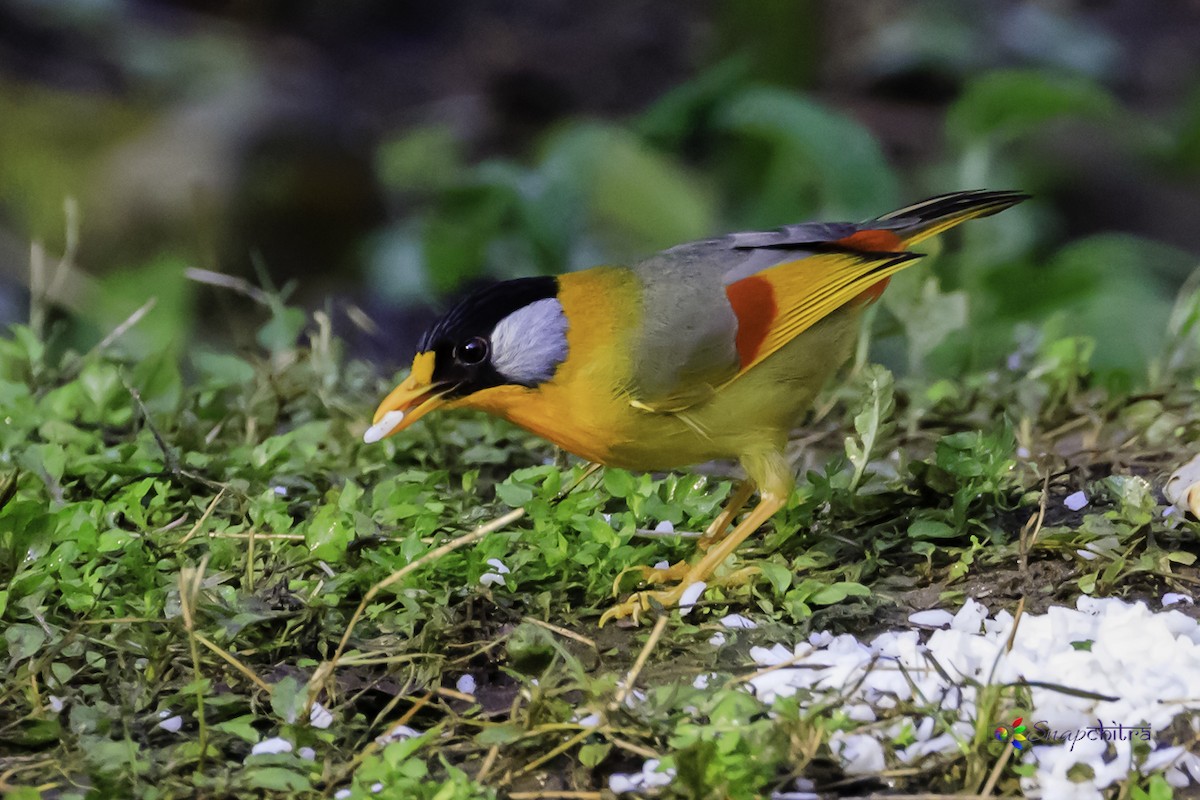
x=499, y=734
x=642, y=197
x=278, y=779
x=1005, y=104
x=24, y=640
x=618, y=482
x=836, y=593
x=592, y=754
x=242, y=727
x=814, y=151
x=329, y=533
x=930, y=529
x=873, y=420
x=514, y=495
x=288, y=699
x=779, y=575
x=222, y=369
x=280, y=333
x=928, y=314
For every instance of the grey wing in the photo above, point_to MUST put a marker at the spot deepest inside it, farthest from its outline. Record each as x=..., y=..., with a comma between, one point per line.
x=688, y=344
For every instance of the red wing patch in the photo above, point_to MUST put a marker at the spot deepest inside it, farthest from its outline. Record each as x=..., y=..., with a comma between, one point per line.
x=753, y=302
x=872, y=293
x=872, y=241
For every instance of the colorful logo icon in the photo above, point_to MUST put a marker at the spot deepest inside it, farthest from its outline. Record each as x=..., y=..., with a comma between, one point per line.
x=1014, y=733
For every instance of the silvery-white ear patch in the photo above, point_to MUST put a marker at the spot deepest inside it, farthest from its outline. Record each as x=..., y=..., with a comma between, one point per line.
x=530, y=343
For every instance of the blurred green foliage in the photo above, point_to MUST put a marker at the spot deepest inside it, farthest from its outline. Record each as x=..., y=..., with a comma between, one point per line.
x=762, y=156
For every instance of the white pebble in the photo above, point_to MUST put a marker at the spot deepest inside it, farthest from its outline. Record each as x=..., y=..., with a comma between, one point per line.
x=497, y=577
x=271, y=746
x=172, y=724
x=1076, y=501
x=932, y=618
x=648, y=778
x=466, y=684
x=861, y=754
x=397, y=733
x=320, y=716
x=689, y=597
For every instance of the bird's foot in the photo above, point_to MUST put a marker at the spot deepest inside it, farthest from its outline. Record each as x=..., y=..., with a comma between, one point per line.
x=673, y=573
x=638, y=602
x=645, y=600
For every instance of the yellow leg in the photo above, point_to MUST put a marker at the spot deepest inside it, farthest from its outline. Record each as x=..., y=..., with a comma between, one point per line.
x=736, y=502
x=767, y=469
x=643, y=601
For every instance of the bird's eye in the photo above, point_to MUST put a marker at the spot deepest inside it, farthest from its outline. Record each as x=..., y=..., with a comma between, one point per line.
x=472, y=352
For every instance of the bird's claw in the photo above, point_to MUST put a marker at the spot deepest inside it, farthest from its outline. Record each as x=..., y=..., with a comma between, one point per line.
x=636, y=603
x=672, y=574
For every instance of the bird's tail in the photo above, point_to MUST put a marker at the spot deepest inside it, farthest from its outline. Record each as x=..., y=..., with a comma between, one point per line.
x=930, y=217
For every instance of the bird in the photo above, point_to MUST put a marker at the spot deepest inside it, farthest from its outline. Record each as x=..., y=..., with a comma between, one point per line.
x=713, y=349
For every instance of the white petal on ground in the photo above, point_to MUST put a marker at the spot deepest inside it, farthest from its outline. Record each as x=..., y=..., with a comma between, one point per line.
x=497, y=577
x=1174, y=598
x=689, y=597
x=466, y=684
x=271, y=746
x=1076, y=501
x=590, y=721
x=320, y=716
x=382, y=428
x=172, y=724
x=663, y=565
x=666, y=526
x=307, y=753
x=738, y=621
x=342, y=794
x=55, y=703
x=717, y=639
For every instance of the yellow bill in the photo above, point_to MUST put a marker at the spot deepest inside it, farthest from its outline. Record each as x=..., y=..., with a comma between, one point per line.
x=412, y=399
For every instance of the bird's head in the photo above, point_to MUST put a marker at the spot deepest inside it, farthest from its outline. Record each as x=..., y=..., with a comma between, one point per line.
x=512, y=333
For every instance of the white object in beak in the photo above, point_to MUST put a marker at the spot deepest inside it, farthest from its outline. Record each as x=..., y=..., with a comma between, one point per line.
x=382, y=428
